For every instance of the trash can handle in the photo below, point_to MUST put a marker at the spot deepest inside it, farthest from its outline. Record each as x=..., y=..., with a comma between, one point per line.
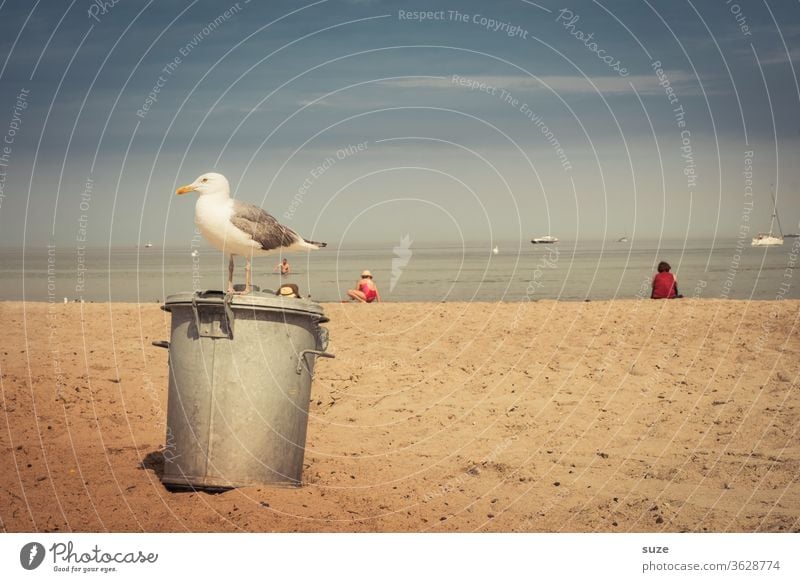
x=229, y=312
x=226, y=304
x=161, y=344
x=302, y=359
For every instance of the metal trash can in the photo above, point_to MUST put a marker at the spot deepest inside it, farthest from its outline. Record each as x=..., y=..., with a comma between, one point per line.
x=240, y=369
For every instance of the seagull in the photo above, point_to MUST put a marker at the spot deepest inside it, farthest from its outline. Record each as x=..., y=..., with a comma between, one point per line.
x=239, y=228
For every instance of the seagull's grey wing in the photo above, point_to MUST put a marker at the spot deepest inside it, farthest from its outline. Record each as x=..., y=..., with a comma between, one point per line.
x=263, y=227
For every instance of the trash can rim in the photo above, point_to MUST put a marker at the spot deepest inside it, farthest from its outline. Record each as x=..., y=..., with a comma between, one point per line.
x=258, y=300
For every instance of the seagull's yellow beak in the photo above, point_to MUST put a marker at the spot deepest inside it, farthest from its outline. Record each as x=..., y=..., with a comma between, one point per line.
x=185, y=189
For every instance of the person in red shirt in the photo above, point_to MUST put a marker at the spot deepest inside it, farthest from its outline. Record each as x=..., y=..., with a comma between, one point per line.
x=664, y=284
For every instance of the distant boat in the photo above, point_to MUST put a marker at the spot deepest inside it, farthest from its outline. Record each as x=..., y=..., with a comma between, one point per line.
x=623, y=238
x=495, y=250
x=768, y=239
x=195, y=253
x=148, y=245
x=544, y=240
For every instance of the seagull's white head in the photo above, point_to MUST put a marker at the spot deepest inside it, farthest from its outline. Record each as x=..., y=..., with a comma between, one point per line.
x=210, y=183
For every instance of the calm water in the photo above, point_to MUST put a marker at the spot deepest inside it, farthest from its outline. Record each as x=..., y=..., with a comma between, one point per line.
x=566, y=271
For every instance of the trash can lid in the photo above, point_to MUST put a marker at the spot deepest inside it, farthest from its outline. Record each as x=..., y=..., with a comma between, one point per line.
x=255, y=300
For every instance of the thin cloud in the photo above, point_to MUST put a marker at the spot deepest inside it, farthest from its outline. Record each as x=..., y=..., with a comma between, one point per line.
x=684, y=83
x=314, y=102
x=781, y=58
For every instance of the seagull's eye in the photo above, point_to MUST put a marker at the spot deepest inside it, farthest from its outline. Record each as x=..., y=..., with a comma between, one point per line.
x=205, y=179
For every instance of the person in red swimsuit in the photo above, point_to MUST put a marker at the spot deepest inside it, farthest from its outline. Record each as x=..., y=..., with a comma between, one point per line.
x=365, y=291
x=664, y=284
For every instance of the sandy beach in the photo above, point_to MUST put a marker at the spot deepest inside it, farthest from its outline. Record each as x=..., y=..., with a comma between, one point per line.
x=609, y=416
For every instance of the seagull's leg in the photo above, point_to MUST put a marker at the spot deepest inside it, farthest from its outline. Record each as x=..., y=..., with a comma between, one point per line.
x=230, y=276
x=247, y=287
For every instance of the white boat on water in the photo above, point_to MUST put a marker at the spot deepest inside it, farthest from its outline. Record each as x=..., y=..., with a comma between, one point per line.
x=544, y=240
x=496, y=250
x=148, y=245
x=622, y=239
x=767, y=239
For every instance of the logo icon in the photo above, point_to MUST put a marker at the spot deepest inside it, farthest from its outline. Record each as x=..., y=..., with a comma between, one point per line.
x=402, y=254
x=31, y=555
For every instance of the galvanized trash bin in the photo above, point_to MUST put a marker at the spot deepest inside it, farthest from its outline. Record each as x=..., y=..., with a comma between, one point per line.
x=240, y=369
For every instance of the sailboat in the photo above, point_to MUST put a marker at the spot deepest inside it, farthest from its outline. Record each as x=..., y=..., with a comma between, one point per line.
x=767, y=239
x=623, y=238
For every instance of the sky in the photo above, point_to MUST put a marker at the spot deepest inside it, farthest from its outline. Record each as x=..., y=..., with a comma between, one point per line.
x=364, y=121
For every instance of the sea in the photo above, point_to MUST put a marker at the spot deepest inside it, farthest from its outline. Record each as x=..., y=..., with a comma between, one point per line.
x=408, y=271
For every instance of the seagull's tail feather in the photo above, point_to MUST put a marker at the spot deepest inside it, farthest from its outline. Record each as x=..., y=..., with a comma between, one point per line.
x=315, y=244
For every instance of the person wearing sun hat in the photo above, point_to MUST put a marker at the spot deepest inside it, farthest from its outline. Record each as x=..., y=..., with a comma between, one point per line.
x=288, y=290
x=365, y=291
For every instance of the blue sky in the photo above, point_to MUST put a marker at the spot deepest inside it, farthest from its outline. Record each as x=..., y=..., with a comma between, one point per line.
x=500, y=120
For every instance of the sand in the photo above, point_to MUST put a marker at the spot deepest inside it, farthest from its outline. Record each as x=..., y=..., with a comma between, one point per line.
x=611, y=416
